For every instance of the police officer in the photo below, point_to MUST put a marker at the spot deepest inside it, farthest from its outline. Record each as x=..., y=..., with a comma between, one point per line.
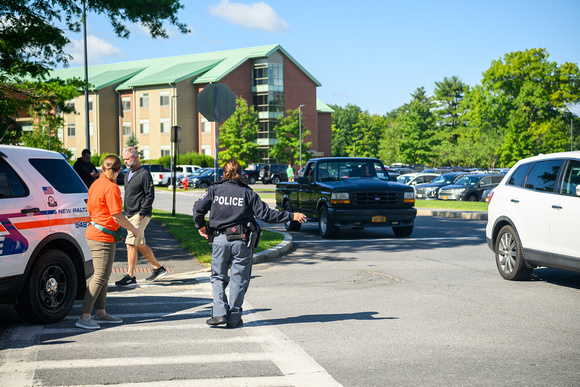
x=233, y=206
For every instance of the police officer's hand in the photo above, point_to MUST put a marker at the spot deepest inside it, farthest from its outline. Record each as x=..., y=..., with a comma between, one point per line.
x=298, y=217
x=203, y=232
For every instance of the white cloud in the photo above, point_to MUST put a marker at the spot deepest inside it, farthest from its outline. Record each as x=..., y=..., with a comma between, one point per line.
x=98, y=50
x=259, y=16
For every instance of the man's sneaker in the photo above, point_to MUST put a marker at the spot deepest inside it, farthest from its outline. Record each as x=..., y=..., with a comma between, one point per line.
x=156, y=274
x=126, y=281
x=87, y=324
x=107, y=319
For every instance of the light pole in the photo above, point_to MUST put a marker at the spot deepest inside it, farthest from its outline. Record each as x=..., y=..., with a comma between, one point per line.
x=87, y=134
x=173, y=151
x=300, y=131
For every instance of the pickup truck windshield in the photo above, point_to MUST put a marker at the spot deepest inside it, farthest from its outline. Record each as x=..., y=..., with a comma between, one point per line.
x=338, y=170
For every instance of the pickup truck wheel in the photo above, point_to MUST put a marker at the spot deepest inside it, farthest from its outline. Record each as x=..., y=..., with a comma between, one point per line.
x=509, y=257
x=252, y=180
x=326, y=228
x=275, y=180
x=403, y=232
x=291, y=225
x=50, y=292
x=203, y=185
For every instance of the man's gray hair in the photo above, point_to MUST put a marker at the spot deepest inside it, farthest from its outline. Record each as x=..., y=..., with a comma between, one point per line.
x=132, y=151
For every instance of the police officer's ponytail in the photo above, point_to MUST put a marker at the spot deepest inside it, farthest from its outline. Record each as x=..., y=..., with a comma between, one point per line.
x=232, y=171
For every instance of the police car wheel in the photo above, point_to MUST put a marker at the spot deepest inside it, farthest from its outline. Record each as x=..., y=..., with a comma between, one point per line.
x=326, y=228
x=51, y=289
x=291, y=225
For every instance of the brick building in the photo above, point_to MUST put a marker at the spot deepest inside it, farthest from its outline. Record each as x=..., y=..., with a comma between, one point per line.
x=147, y=97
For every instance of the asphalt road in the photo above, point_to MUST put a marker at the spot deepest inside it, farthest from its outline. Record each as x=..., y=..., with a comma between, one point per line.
x=365, y=309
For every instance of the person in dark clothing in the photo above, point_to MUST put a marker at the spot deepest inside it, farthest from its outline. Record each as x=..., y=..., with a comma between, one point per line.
x=139, y=196
x=85, y=169
x=232, y=206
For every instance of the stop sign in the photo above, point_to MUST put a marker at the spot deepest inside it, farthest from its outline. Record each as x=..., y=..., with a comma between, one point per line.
x=216, y=102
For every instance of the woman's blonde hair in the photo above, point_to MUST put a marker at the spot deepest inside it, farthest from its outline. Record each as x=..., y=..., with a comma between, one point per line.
x=111, y=165
x=232, y=171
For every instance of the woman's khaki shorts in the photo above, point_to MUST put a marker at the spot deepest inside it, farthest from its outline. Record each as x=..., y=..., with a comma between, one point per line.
x=141, y=225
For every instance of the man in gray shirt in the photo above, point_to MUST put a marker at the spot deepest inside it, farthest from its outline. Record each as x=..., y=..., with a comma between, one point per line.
x=138, y=202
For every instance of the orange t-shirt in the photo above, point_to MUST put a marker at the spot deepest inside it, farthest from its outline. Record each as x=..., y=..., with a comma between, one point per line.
x=104, y=201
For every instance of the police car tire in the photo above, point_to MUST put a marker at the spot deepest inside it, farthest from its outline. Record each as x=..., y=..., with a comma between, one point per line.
x=291, y=225
x=326, y=228
x=36, y=304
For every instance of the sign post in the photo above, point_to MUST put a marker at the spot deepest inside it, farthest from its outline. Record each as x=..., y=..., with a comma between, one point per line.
x=216, y=102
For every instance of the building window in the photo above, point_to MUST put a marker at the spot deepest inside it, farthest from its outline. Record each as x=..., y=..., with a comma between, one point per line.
x=27, y=127
x=268, y=74
x=91, y=129
x=126, y=102
x=165, y=150
x=70, y=130
x=90, y=104
x=205, y=125
x=206, y=150
x=70, y=104
x=144, y=126
x=145, y=150
x=126, y=128
x=164, y=98
x=144, y=100
x=165, y=125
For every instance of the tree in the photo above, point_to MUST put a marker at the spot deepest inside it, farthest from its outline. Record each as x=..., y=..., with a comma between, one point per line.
x=344, y=120
x=287, y=149
x=132, y=141
x=44, y=136
x=31, y=44
x=238, y=135
x=523, y=99
x=366, y=135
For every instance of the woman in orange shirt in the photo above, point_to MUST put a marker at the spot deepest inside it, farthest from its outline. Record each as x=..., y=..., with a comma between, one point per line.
x=106, y=209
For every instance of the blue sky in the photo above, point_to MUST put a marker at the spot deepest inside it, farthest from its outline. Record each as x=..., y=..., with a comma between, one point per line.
x=373, y=54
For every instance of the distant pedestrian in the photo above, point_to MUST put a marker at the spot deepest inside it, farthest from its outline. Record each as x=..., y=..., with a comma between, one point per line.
x=85, y=169
x=233, y=231
x=290, y=172
x=139, y=196
x=106, y=210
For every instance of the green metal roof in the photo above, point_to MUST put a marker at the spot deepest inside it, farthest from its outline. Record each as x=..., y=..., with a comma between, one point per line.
x=321, y=107
x=205, y=67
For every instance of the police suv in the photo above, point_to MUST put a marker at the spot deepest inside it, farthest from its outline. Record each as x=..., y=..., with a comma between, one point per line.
x=44, y=257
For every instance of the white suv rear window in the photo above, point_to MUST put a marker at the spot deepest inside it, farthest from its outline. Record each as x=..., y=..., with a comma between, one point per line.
x=60, y=175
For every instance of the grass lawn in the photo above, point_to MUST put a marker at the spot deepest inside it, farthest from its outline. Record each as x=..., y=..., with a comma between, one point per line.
x=183, y=230
x=451, y=205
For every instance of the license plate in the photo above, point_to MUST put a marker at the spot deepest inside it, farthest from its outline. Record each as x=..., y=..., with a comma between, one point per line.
x=379, y=218
x=445, y=197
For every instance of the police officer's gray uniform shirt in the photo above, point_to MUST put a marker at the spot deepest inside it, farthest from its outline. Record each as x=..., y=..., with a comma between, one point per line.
x=232, y=203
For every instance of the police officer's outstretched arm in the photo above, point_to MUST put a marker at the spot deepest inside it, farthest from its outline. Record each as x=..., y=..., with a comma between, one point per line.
x=263, y=212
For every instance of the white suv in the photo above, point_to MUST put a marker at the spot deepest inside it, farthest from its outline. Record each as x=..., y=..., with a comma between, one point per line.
x=44, y=257
x=534, y=216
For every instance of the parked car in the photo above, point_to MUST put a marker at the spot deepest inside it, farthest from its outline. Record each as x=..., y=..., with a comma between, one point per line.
x=469, y=187
x=44, y=257
x=273, y=173
x=421, y=178
x=486, y=194
x=190, y=178
x=121, y=175
x=429, y=191
x=533, y=216
x=251, y=175
x=206, y=178
x=401, y=170
x=438, y=171
x=405, y=178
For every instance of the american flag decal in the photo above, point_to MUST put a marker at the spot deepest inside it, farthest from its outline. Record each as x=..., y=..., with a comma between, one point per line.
x=47, y=190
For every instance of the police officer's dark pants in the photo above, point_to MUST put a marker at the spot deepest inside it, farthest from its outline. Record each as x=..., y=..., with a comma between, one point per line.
x=240, y=257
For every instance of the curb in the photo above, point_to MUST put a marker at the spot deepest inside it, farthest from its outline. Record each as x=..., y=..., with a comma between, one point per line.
x=275, y=251
x=473, y=215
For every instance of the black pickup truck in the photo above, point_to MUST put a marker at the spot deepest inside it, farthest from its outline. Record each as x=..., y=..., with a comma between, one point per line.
x=347, y=191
